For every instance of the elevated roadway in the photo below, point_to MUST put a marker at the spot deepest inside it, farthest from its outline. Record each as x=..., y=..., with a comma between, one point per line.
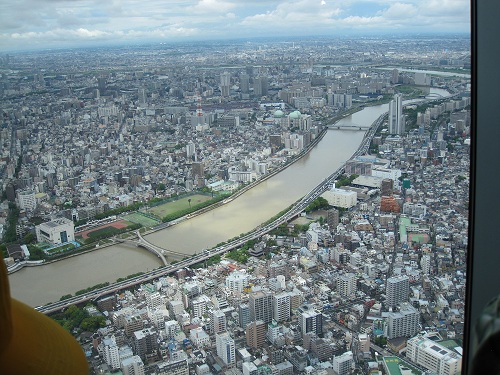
x=207, y=254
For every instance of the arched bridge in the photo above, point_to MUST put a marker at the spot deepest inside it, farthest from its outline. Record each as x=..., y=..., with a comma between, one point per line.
x=158, y=251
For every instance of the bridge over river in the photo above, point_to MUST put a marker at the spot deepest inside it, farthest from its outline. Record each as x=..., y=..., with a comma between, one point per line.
x=156, y=250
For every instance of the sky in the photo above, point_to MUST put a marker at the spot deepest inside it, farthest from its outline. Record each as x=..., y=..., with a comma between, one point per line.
x=35, y=24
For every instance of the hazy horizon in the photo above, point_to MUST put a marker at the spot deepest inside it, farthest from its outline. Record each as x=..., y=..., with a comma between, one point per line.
x=55, y=24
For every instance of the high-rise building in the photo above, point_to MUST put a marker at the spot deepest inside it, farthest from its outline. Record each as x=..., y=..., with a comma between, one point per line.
x=386, y=187
x=281, y=307
x=397, y=290
x=333, y=218
x=364, y=343
x=273, y=331
x=243, y=315
x=142, y=96
x=176, y=365
x=261, y=306
x=191, y=151
x=225, y=83
x=244, y=83
x=154, y=300
x=218, y=322
x=236, y=281
x=132, y=366
x=144, y=342
x=346, y=284
x=256, y=334
x=395, y=76
x=396, y=118
x=310, y=320
x=425, y=264
x=433, y=356
x=225, y=348
x=404, y=322
x=342, y=364
x=111, y=352
x=260, y=86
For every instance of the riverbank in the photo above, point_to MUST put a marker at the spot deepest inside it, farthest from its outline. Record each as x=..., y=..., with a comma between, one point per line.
x=19, y=266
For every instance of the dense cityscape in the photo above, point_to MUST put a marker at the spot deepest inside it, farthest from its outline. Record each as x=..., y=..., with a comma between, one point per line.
x=107, y=146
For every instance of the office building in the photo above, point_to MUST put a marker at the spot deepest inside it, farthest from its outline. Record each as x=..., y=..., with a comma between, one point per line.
x=342, y=364
x=364, y=343
x=433, y=356
x=396, y=118
x=261, y=306
x=341, y=198
x=281, y=307
x=249, y=368
x=346, y=284
x=217, y=321
x=403, y=322
x=273, y=331
x=27, y=200
x=132, y=366
x=243, y=315
x=111, y=352
x=144, y=342
x=225, y=83
x=244, y=83
x=260, y=86
x=310, y=320
x=56, y=232
x=236, y=281
x=256, y=334
x=387, y=187
x=176, y=365
x=333, y=218
x=225, y=348
x=397, y=290
x=199, y=337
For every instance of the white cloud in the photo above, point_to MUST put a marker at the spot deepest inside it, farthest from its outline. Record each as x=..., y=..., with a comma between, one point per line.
x=61, y=20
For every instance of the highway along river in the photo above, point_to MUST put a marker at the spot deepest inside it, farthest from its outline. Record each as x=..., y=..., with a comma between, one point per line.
x=40, y=285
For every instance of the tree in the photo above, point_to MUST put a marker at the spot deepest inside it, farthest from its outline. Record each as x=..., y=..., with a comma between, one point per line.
x=189, y=201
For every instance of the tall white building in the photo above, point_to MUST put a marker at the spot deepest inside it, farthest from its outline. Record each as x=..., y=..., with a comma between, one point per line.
x=111, y=353
x=133, y=366
x=425, y=264
x=281, y=307
x=396, y=119
x=218, y=321
x=403, y=323
x=342, y=364
x=154, y=301
x=433, y=356
x=27, y=200
x=199, y=305
x=397, y=290
x=225, y=348
x=346, y=284
x=236, y=281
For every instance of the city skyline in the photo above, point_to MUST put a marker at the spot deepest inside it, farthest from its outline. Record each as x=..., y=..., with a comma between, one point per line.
x=28, y=24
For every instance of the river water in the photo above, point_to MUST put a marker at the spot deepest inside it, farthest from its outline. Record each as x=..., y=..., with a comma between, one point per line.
x=40, y=285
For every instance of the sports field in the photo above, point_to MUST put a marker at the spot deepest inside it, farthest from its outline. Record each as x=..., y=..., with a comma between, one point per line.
x=145, y=219
x=177, y=205
x=104, y=229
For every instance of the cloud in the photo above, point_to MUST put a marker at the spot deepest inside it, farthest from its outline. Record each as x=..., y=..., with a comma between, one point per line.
x=48, y=21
